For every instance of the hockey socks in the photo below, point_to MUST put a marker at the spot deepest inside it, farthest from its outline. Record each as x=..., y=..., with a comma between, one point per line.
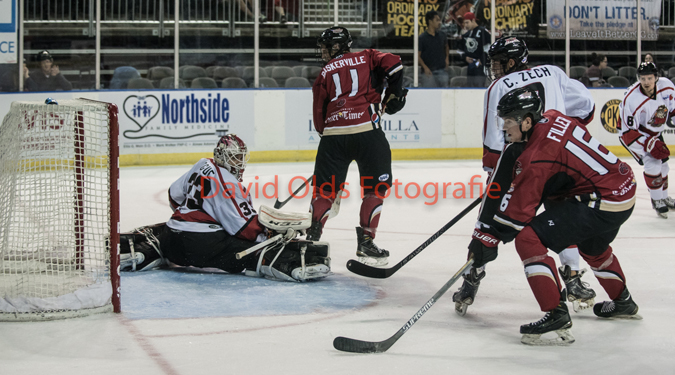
x=608, y=271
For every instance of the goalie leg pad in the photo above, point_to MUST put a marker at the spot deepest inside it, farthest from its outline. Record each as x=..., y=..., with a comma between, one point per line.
x=296, y=261
x=140, y=249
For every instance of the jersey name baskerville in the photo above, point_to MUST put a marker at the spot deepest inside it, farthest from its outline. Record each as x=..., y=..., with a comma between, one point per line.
x=528, y=75
x=558, y=128
x=350, y=61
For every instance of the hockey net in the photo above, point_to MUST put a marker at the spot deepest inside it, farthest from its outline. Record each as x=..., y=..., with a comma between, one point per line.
x=59, y=205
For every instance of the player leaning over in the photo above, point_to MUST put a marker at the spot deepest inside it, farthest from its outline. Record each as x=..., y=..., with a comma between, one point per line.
x=596, y=193
x=644, y=110
x=508, y=68
x=347, y=109
x=213, y=220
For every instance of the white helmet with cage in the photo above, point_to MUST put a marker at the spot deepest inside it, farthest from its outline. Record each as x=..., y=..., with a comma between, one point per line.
x=232, y=154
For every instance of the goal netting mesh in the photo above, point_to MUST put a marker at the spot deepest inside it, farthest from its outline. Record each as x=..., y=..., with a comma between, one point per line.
x=58, y=208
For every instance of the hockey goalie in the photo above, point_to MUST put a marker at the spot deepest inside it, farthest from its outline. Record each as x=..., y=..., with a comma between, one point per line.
x=214, y=225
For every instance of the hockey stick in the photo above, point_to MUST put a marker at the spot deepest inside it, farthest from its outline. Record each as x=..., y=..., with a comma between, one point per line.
x=278, y=204
x=259, y=246
x=357, y=346
x=382, y=273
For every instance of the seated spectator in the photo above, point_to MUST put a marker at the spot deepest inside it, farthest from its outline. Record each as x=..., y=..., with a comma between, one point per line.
x=649, y=58
x=48, y=77
x=593, y=75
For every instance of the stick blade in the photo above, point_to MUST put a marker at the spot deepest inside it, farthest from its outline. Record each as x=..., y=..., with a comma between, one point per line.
x=368, y=271
x=345, y=344
x=277, y=204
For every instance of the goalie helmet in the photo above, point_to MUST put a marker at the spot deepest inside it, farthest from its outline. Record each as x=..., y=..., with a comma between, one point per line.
x=519, y=103
x=499, y=54
x=337, y=41
x=232, y=154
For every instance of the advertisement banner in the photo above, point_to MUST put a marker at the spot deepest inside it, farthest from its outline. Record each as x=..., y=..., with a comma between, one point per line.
x=513, y=17
x=400, y=16
x=8, y=35
x=181, y=121
x=418, y=125
x=603, y=19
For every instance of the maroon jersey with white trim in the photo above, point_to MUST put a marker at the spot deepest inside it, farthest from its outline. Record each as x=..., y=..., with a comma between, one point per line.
x=642, y=117
x=562, y=160
x=556, y=90
x=208, y=198
x=349, y=87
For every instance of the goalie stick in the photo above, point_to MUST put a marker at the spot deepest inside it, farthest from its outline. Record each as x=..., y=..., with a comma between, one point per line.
x=382, y=273
x=357, y=346
x=278, y=204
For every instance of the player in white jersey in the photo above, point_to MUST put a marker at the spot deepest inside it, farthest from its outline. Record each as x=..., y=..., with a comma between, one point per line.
x=507, y=67
x=214, y=219
x=645, y=109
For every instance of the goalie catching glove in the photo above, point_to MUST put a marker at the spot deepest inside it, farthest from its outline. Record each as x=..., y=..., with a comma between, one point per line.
x=394, y=103
x=483, y=247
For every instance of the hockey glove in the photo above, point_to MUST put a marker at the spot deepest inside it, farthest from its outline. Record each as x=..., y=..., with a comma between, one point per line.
x=657, y=148
x=483, y=247
x=395, y=104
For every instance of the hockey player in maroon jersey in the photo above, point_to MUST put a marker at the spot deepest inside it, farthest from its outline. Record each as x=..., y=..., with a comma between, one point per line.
x=508, y=68
x=213, y=220
x=646, y=107
x=596, y=194
x=347, y=111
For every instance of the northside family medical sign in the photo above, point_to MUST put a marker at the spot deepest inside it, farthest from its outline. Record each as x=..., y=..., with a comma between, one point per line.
x=603, y=19
x=8, y=36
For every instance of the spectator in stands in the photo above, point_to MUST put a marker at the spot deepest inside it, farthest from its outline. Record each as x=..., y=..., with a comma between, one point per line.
x=434, y=52
x=475, y=44
x=9, y=78
x=48, y=77
x=280, y=11
x=649, y=58
x=593, y=75
x=247, y=6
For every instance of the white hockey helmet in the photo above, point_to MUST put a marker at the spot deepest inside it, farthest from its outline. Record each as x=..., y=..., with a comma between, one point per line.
x=232, y=154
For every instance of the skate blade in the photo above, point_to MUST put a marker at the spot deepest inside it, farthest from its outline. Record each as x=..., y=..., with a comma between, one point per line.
x=460, y=308
x=626, y=317
x=375, y=262
x=663, y=214
x=582, y=304
x=564, y=338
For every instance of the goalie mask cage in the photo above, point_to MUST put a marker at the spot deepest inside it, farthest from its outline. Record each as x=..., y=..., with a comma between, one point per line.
x=59, y=205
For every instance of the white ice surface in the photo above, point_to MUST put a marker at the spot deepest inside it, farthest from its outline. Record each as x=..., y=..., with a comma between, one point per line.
x=251, y=338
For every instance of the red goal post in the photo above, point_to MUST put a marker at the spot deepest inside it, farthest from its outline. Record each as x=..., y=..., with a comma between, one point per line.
x=59, y=222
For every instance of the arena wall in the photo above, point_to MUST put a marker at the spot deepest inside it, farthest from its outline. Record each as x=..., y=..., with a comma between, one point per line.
x=180, y=126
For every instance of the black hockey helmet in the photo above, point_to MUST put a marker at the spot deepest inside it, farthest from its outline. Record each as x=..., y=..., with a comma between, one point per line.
x=336, y=36
x=503, y=50
x=44, y=55
x=519, y=103
x=646, y=68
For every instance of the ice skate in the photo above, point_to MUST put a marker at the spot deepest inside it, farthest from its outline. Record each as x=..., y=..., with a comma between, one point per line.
x=314, y=231
x=578, y=292
x=557, y=321
x=670, y=202
x=369, y=253
x=467, y=292
x=661, y=207
x=622, y=307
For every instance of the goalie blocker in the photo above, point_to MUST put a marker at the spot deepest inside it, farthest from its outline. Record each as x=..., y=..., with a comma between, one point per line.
x=281, y=257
